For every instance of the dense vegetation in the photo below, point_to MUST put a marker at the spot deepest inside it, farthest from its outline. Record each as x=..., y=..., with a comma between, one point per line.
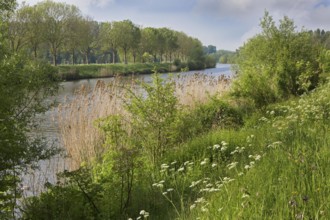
x=59, y=33
x=259, y=151
x=24, y=85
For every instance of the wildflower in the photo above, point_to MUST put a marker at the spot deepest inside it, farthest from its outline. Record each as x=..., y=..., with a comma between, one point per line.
x=216, y=146
x=220, y=209
x=232, y=165
x=223, y=148
x=164, y=166
x=192, y=206
x=162, y=181
x=174, y=162
x=144, y=213
x=227, y=180
x=204, y=162
x=200, y=200
x=257, y=157
x=170, y=189
x=247, y=167
x=245, y=195
x=164, y=193
x=214, y=190
x=214, y=165
x=209, y=185
x=186, y=163
x=181, y=169
x=160, y=185
x=264, y=119
x=204, y=190
x=194, y=183
x=223, y=143
x=155, y=184
x=233, y=152
x=204, y=209
x=240, y=174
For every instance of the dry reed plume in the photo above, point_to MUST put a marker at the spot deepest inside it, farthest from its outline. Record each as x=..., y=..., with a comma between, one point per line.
x=83, y=140
x=198, y=88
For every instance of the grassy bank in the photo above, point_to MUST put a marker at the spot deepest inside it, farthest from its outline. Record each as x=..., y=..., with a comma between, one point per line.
x=74, y=72
x=167, y=156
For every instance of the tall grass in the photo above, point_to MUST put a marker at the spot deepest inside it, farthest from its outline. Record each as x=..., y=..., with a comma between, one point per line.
x=195, y=89
x=281, y=174
x=80, y=136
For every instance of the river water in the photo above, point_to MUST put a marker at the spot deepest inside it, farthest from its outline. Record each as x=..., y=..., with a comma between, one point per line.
x=49, y=126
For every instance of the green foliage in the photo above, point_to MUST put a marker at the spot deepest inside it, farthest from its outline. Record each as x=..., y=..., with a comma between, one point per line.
x=325, y=64
x=276, y=64
x=74, y=201
x=154, y=115
x=205, y=117
x=210, y=62
x=24, y=85
x=286, y=158
x=59, y=32
x=74, y=72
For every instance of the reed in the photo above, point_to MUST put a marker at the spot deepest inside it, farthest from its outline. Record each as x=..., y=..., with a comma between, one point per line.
x=198, y=88
x=80, y=136
x=81, y=139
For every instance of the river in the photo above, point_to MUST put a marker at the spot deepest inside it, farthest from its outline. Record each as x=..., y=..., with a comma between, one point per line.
x=49, y=126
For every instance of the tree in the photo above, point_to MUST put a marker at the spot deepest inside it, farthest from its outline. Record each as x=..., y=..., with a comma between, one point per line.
x=18, y=29
x=107, y=39
x=126, y=34
x=89, y=36
x=23, y=87
x=149, y=41
x=277, y=63
x=171, y=42
x=211, y=49
x=56, y=20
x=74, y=35
x=34, y=34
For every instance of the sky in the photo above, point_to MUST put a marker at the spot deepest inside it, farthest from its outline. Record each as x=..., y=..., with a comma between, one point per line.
x=226, y=24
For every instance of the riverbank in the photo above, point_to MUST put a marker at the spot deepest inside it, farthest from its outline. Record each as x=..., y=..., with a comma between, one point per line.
x=75, y=72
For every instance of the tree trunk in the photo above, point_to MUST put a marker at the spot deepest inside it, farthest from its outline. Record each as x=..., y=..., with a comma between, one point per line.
x=73, y=57
x=113, y=56
x=86, y=58
x=54, y=57
x=125, y=56
x=35, y=52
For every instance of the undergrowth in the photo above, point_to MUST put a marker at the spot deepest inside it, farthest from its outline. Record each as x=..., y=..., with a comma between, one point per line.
x=217, y=164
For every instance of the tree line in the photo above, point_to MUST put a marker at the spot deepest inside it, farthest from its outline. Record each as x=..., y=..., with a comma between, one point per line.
x=61, y=34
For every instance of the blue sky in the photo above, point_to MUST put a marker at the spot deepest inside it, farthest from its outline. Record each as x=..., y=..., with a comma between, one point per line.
x=227, y=24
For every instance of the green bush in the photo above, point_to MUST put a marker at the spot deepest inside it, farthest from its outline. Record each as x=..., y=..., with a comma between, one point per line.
x=276, y=64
